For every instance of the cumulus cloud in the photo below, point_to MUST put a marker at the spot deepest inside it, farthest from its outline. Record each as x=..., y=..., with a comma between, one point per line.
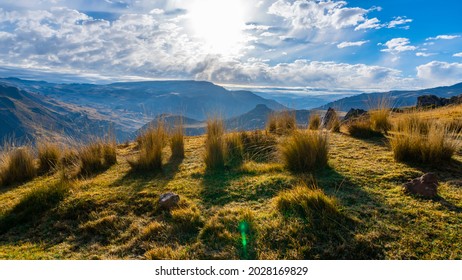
x=440, y=73
x=351, y=44
x=443, y=37
x=373, y=23
x=304, y=14
x=398, y=22
x=455, y=55
x=398, y=45
x=424, y=54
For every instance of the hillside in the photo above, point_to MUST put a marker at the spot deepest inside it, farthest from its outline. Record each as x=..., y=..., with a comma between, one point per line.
x=26, y=116
x=115, y=215
x=368, y=101
x=133, y=104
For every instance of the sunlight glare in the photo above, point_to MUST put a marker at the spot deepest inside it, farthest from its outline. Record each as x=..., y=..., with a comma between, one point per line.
x=219, y=23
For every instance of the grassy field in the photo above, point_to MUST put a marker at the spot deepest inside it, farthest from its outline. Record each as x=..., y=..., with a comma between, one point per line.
x=257, y=210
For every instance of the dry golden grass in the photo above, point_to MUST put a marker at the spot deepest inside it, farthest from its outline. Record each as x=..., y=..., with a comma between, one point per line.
x=177, y=141
x=361, y=128
x=214, y=146
x=305, y=151
x=281, y=122
x=258, y=146
x=17, y=165
x=234, y=149
x=49, y=156
x=96, y=157
x=314, y=122
x=151, y=143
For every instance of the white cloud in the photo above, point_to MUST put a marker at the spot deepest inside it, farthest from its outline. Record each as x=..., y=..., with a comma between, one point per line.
x=443, y=37
x=373, y=23
x=424, y=54
x=398, y=21
x=351, y=44
x=304, y=14
x=440, y=73
x=398, y=45
x=457, y=54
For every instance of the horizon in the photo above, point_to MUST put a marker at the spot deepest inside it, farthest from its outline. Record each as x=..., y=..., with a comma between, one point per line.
x=335, y=46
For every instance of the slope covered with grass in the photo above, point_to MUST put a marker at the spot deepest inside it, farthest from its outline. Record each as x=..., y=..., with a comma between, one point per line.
x=354, y=209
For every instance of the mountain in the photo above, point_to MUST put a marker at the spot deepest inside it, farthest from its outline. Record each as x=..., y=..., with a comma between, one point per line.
x=27, y=116
x=367, y=101
x=254, y=119
x=132, y=104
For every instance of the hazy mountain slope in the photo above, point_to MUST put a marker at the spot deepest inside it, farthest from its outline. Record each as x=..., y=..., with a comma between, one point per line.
x=27, y=116
x=133, y=104
x=397, y=98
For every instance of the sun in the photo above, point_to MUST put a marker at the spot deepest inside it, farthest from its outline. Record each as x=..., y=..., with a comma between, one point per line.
x=219, y=24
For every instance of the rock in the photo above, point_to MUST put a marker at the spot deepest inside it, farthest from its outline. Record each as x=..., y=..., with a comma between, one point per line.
x=354, y=113
x=168, y=200
x=328, y=118
x=435, y=101
x=426, y=185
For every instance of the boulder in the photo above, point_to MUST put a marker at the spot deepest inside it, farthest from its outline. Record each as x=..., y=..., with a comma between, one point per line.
x=426, y=185
x=169, y=200
x=435, y=101
x=354, y=113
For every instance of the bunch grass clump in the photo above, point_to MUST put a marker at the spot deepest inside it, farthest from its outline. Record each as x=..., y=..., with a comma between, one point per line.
x=380, y=114
x=97, y=156
x=17, y=165
x=281, y=122
x=177, y=141
x=258, y=146
x=214, y=147
x=305, y=151
x=151, y=143
x=361, y=128
x=423, y=142
x=234, y=149
x=314, y=122
x=49, y=155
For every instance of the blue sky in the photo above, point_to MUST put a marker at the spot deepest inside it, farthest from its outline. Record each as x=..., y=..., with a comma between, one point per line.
x=361, y=45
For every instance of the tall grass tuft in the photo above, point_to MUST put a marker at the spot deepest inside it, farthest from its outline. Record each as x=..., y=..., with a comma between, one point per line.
x=214, y=148
x=17, y=165
x=423, y=142
x=361, y=128
x=258, y=146
x=281, y=122
x=305, y=151
x=380, y=115
x=151, y=143
x=309, y=203
x=49, y=155
x=234, y=149
x=177, y=141
x=97, y=156
x=314, y=122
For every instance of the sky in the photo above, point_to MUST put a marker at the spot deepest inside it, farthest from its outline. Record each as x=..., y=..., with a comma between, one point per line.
x=358, y=45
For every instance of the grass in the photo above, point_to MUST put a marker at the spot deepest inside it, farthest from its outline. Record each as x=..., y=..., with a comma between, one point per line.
x=281, y=123
x=258, y=146
x=214, y=146
x=151, y=142
x=380, y=115
x=305, y=151
x=49, y=156
x=314, y=122
x=96, y=157
x=177, y=141
x=361, y=128
x=234, y=214
x=423, y=142
x=234, y=149
x=17, y=166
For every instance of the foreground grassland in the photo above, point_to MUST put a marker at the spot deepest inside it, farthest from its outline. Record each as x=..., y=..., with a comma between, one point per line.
x=236, y=213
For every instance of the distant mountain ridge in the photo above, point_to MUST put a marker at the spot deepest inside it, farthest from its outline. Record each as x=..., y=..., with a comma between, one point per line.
x=26, y=116
x=402, y=98
x=132, y=104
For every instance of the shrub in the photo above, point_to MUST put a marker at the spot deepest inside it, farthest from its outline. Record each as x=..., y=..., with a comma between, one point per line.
x=49, y=155
x=214, y=148
x=361, y=128
x=314, y=122
x=305, y=151
x=17, y=166
x=234, y=149
x=308, y=203
x=412, y=144
x=258, y=146
x=151, y=143
x=177, y=142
